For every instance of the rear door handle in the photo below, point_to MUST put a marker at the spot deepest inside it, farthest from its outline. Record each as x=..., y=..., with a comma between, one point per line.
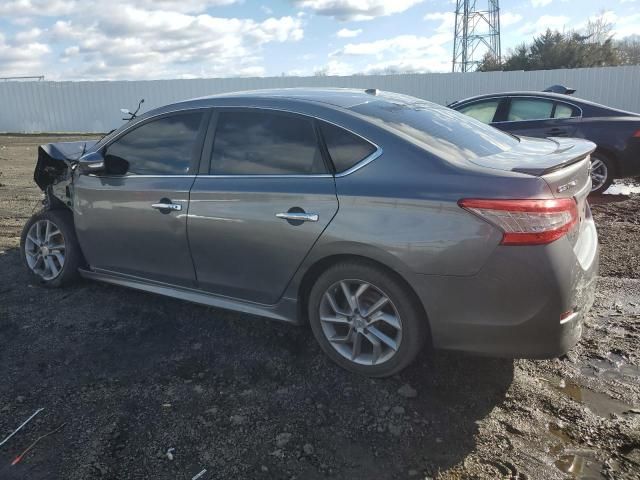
x=298, y=216
x=556, y=131
x=167, y=206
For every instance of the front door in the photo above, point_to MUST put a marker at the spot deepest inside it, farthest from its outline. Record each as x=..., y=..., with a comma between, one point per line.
x=265, y=201
x=132, y=219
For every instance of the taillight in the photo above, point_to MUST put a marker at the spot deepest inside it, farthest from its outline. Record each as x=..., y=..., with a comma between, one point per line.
x=637, y=134
x=526, y=222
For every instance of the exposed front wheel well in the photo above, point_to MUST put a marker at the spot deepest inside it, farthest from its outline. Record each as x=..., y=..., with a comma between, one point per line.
x=324, y=264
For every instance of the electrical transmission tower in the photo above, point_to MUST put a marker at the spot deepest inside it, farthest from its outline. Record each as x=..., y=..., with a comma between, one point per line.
x=477, y=33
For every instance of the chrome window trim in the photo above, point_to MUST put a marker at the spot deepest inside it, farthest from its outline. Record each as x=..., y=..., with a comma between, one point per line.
x=284, y=175
x=362, y=163
x=499, y=97
x=140, y=176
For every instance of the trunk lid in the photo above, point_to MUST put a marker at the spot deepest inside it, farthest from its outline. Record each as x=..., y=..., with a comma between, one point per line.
x=538, y=156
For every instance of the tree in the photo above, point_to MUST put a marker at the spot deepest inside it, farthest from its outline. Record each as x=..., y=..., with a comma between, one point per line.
x=629, y=50
x=594, y=47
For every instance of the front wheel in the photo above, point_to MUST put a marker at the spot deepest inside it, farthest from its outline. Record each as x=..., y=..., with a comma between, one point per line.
x=365, y=320
x=601, y=173
x=49, y=248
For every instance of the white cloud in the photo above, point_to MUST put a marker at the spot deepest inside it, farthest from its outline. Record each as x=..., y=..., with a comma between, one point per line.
x=356, y=9
x=23, y=58
x=553, y=22
x=37, y=7
x=130, y=42
x=403, y=53
x=540, y=3
x=447, y=21
x=346, y=33
x=28, y=36
x=508, y=18
x=69, y=7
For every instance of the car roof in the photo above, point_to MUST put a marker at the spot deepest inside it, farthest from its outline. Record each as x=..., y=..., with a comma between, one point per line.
x=339, y=97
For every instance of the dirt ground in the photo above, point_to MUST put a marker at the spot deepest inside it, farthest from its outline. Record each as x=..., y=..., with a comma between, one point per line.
x=132, y=375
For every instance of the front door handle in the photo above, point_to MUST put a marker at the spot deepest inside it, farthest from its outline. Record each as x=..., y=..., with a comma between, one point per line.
x=298, y=216
x=167, y=206
x=556, y=131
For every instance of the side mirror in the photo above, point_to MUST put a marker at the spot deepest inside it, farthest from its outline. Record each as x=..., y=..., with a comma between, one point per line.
x=91, y=163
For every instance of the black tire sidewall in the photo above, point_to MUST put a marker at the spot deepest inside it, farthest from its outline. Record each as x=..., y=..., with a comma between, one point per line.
x=414, y=324
x=63, y=219
x=610, y=173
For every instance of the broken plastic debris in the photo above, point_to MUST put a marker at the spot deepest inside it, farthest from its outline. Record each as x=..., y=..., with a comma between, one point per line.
x=197, y=476
x=170, y=453
x=20, y=427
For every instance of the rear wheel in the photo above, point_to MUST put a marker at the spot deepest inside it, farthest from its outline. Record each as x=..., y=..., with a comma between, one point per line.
x=365, y=319
x=601, y=173
x=50, y=249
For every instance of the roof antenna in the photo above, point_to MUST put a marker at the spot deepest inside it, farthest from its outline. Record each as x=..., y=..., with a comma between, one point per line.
x=371, y=91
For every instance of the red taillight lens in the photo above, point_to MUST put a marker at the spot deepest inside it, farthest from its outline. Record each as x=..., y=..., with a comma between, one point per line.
x=637, y=134
x=526, y=222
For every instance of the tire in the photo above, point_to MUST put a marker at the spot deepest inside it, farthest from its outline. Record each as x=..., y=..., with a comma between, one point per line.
x=383, y=361
x=604, y=166
x=60, y=245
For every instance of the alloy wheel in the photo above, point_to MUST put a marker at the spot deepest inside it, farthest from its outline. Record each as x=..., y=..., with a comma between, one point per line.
x=45, y=249
x=599, y=173
x=360, y=322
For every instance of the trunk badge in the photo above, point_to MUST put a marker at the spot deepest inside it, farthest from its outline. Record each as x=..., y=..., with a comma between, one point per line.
x=567, y=186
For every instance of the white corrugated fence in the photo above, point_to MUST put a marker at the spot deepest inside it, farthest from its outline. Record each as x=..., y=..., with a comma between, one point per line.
x=32, y=107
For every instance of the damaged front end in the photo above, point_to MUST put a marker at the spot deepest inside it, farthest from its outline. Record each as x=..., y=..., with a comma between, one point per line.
x=54, y=171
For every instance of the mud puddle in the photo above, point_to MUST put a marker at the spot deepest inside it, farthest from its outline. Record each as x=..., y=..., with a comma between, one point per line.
x=599, y=403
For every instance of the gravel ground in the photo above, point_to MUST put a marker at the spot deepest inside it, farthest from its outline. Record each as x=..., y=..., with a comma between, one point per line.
x=133, y=375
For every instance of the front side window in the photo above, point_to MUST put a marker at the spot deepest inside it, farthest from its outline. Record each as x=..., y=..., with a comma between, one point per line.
x=483, y=111
x=529, y=109
x=345, y=148
x=265, y=143
x=159, y=147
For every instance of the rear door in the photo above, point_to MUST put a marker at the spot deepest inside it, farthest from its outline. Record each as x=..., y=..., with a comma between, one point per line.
x=264, y=200
x=538, y=117
x=119, y=216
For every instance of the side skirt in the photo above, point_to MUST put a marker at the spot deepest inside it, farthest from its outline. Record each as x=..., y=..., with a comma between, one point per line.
x=285, y=310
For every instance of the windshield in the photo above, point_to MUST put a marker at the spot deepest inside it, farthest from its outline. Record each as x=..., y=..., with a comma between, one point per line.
x=442, y=131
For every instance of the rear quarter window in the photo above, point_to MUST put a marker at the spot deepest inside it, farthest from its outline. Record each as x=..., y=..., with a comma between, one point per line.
x=345, y=148
x=442, y=131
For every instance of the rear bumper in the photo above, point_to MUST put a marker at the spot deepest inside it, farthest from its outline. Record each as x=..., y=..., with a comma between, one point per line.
x=513, y=306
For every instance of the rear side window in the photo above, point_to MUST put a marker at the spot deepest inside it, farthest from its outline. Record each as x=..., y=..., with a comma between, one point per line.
x=345, y=148
x=564, y=111
x=440, y=130
x=529, y=109
x=159, y=147
x=482, y=111
x=265, y=143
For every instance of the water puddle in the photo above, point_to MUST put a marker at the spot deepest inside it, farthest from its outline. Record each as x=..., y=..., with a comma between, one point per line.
x=599, y=403
x=580, y=465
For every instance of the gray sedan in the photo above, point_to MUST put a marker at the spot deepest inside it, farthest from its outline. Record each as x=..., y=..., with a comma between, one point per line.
x=382, y=220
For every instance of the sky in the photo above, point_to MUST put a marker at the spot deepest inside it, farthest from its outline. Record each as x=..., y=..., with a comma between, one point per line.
x=157, y=39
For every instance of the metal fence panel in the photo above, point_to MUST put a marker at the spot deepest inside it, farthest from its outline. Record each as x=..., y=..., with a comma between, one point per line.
x=32, y=107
